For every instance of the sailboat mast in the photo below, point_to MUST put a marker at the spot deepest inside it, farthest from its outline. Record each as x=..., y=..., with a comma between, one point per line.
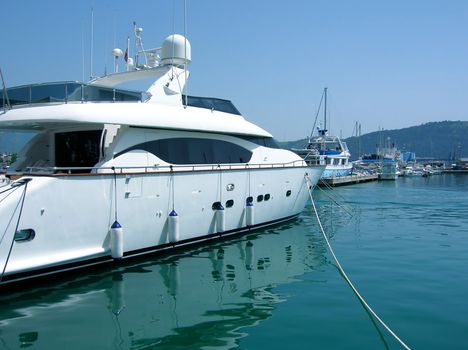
x=325, y=111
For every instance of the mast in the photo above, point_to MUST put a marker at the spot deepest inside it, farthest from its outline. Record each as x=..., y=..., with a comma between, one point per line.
x=325, y=111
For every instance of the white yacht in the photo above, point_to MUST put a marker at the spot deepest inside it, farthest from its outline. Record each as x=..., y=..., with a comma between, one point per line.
x=114, y=173
x=329, y=151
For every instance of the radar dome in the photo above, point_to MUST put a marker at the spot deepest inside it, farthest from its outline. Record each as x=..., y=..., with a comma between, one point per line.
x=173, y=51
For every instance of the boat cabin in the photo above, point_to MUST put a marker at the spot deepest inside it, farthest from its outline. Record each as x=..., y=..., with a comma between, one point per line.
x=71, y=146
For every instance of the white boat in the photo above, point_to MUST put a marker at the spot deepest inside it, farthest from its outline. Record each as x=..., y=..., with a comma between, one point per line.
x=385, y=161
x=326, y=150
x=388, y=170
x=115, y=173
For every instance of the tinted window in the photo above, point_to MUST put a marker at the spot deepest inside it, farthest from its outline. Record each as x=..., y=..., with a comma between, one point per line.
x=217, y=206
x=25, y=235
x=262, y=141
x=194, y=151
x=66, y=91
x=216, y=104
x=77, y=148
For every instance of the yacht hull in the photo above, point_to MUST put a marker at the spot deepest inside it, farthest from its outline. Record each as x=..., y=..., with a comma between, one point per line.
x=337, y=171
x=71, y=215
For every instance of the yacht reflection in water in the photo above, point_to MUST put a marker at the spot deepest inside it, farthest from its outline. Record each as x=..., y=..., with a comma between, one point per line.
x=197, y=298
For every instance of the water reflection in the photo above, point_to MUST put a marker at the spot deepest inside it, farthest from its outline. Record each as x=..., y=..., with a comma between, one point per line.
x=201, y=297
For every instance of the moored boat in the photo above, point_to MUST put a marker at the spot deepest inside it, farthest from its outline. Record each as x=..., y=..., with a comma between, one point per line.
x=327, y=150
x=114, y=173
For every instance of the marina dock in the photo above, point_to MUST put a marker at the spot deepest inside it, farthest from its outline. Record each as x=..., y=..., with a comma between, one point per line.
x=347, y=180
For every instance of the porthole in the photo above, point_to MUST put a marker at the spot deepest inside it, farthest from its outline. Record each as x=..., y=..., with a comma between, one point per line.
x=267, y=197
x=25, y=235
x=249, y=200
x=260, y=198
x=217, y=206
x=229, y=203
x=288, y=193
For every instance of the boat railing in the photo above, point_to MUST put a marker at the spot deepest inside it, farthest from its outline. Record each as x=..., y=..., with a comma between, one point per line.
x=65, y=92
x=59, y=171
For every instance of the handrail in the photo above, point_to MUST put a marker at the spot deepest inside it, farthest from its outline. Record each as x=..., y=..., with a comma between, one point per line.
x=159, y=168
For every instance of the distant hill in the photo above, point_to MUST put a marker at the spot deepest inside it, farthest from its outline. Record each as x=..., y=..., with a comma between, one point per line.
x=440, y=140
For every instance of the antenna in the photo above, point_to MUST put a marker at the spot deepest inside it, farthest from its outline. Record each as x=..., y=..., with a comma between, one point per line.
x=185, y=52
x=127, y=54
x=92, y=44
x=82, y=53
x=139, y=42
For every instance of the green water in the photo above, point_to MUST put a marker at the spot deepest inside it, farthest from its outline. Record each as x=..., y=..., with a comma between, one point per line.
x=405, y=247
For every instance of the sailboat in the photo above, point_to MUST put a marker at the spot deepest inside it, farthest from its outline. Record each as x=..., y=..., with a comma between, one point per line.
x=327, y=150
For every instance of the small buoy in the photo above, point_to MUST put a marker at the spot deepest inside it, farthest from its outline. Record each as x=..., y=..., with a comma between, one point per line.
x=220, y=219
x=173, y=227
x=116, y=241
x=249, y=213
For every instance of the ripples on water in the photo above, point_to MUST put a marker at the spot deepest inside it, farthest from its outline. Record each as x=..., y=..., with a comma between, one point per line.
x=403, y=243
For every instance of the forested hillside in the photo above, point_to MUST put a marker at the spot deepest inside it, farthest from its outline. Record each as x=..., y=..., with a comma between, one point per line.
x=440, y=140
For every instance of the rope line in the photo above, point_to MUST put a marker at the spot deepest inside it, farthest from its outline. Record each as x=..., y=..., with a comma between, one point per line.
x=16, y=229
x=13, y=189
x=8, y=189
x=115, y=193
x=12, y=215
x=343, y=273
x=335, y=201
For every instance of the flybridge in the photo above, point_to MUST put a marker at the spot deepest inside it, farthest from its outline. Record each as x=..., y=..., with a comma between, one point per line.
x=167, y=65
x=66, y=91
x=72, y=91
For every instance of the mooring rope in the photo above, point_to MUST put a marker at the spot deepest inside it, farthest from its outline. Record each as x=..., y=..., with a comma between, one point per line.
x=335, y=201
x=23, y=182
x=343, y=273
x=12, y=216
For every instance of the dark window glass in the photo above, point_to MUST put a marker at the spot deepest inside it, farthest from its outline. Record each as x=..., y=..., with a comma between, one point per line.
x=260, y=198
x=216, y=104
x=216, y=206
x=262, y=141
x=249, y=200
x=77, y=148
x=25, y=235
x=267, y=196
x=229, y=203
x=288, y=193
x=66, y=91
x=194, y=151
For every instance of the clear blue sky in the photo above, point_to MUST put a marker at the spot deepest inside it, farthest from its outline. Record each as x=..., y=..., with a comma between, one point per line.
x=389, y=64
